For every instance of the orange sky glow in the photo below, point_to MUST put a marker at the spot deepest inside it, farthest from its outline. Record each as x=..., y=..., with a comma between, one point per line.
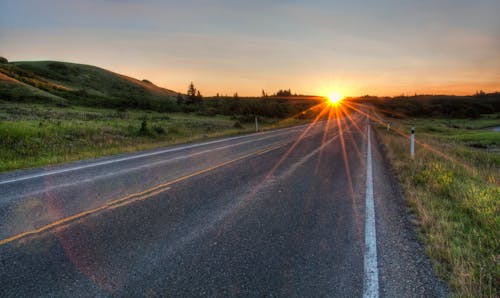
x=312, y=47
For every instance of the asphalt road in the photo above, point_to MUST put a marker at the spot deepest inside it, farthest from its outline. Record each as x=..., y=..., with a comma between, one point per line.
x=276, y=214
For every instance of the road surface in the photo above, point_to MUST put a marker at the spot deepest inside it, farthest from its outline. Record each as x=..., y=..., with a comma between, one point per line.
x=309, y=211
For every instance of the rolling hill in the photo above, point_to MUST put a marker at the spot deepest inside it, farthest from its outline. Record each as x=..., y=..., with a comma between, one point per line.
x=69, y=83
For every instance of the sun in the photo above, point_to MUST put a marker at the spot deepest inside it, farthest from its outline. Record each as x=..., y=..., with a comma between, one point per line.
x=335, y=98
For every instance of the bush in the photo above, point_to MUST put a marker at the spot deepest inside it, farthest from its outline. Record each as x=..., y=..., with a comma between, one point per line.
x=238, y=125
x=246, y=119
x=158, y=129
x=144, y=130
x=3, y=60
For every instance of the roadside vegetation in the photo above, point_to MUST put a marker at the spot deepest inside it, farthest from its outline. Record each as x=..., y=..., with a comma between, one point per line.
x=33, y=135
x=453, y=187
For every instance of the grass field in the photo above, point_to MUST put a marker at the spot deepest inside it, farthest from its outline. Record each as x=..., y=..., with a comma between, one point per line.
x=453, y=186
x=36, y=135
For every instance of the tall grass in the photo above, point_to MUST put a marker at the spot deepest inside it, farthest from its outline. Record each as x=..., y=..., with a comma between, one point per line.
x=456, y=195
x=37, y=135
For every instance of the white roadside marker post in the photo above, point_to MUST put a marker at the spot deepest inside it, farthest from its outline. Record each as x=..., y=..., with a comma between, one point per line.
x=256, y=124
x=412, y=143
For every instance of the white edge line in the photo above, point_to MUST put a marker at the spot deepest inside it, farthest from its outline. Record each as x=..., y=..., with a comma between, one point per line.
x=92, y=165
x=162, y=162
x=370, y=287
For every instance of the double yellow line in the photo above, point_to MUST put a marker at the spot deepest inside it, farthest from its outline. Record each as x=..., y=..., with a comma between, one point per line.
x=139, y=196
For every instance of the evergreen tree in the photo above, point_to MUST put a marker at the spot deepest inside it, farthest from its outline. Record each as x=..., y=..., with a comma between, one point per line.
x=193, y=95
x=191, y=90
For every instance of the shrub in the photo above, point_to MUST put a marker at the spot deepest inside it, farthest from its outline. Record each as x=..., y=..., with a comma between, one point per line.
x=158, y=129
x=246, y=119
x=144, y=130
x=3, y=60
x=238, y=125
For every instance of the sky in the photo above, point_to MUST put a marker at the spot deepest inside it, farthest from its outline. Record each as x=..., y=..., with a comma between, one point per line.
x=383, y=47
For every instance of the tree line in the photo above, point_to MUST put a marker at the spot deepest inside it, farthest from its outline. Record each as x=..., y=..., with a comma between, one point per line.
x=435, y=105
x=264, y=106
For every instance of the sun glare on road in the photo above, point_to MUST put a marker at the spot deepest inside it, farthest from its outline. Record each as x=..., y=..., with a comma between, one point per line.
x=335, y=98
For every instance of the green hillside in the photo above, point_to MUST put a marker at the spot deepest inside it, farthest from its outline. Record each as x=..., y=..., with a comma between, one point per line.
x=70, y=83
x=15, y=90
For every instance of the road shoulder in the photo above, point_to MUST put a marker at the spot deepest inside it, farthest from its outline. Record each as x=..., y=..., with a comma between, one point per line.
x=404, y=268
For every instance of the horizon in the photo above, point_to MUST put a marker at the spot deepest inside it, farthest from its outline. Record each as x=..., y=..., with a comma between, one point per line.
x=383, y=49
x=272, y=93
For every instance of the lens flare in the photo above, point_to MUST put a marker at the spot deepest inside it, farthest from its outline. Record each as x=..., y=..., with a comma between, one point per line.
x=335, y=98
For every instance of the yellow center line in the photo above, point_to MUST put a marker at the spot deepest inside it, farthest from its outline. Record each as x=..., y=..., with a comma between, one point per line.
x=139, y=196
x=151, y=194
